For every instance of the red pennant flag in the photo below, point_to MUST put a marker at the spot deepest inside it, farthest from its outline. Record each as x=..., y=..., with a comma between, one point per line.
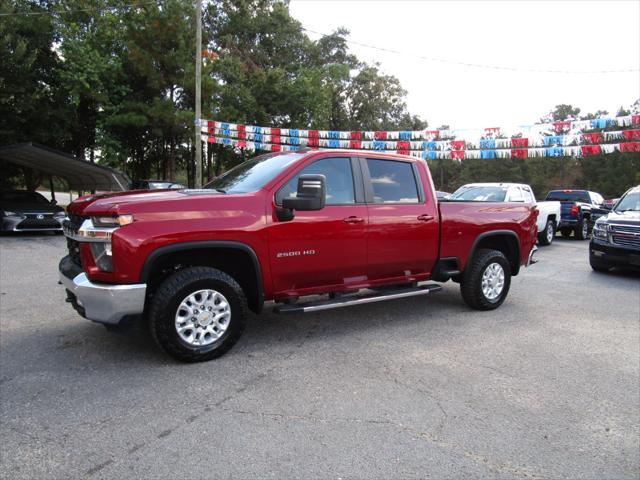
x=275, y=148
x=631, y=134
x=314, y=141
x=457, y=144
x=356, y=135
x=591, y=149
x=593, y=137
x=242, y=132
x=520, y=142
x=379, y=135
x=355, y=144
x=211, y=139
x=459, y=154
x=630, y=147
x=635, y=119
x=519, y=153
x=275, y=138
x=313, y=134
x=562, y=126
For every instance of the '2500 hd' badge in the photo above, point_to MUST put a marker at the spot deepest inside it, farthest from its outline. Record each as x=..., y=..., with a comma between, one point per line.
x=296, y=253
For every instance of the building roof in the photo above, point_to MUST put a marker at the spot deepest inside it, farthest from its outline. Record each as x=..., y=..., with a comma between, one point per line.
x=79, y=174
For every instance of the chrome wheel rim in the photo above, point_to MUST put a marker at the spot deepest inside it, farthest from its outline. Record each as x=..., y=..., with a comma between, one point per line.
x=493, y=281
x=202, y=317
x=550, y=232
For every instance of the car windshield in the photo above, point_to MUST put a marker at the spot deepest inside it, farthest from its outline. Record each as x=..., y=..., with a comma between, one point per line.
x=630, y=202
x=22, y=197
x=480, y=194
x=569, y=196
x=253, y=174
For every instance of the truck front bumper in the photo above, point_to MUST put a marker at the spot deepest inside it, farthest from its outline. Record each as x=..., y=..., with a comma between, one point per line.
x=101, y=302
x=614, y=256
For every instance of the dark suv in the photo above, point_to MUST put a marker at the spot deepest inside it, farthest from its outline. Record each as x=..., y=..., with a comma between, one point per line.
x=616, y=236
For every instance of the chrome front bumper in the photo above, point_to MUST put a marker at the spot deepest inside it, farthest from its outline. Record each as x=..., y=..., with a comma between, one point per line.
x=105, y=303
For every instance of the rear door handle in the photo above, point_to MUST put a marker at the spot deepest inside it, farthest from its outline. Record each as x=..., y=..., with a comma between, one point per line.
x=354, y=219
x=425, y=218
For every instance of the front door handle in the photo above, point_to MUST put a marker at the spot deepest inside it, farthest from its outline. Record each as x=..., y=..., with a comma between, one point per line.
x=354, y=219
x=425, y=218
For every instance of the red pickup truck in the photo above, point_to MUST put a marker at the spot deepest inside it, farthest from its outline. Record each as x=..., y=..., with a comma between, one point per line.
x=355, y=227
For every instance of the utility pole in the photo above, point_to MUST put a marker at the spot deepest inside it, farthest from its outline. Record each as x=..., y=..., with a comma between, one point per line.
x=198, y=141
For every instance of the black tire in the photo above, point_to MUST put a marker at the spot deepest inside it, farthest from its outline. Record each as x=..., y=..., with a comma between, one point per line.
x=566, y=232
x=581, y=231
x=546, y=236
x=168, y=298
x=471, y=286
x=598, y=265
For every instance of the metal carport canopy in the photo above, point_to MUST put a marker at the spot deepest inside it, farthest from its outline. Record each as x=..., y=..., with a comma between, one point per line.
x=79, y=174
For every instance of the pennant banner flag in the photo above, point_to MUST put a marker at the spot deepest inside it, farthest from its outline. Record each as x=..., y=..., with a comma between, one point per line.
x=564, y=138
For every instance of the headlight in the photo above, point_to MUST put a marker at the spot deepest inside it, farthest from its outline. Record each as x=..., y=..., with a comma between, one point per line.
x=12, y=214
x=59, y=216
x=110, y=222
x=601, y=231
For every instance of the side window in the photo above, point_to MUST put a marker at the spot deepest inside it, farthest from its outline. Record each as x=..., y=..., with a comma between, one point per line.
x=515, y=195
x=528, y=196
x=339, y=176
x=597, y=198
x=392, y=181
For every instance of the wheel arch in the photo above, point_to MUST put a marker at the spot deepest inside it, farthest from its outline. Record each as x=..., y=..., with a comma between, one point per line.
x=236, y=259
x=505, y=241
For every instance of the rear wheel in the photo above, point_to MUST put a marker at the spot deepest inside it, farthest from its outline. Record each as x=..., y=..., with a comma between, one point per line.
x=486, y=280
x=582, y=229
x=198, y=314
x=546, y=236
x=566, y=232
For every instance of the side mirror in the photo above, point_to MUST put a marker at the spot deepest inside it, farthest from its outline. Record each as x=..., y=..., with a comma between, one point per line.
x=53, y=202
x=311, y=195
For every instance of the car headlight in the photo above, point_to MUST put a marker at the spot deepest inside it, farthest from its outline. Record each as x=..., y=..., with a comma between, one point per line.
x=7, y=213
x=601, y=231
x=110, y=222
x=60, y=216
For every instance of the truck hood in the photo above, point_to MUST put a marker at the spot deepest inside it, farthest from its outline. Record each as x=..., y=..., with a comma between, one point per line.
x=117, y=202
x=631, y=217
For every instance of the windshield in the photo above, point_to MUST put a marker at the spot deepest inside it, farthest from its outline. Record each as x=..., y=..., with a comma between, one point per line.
x=630, y=202
x=22, y=197
x=571, y=196
x=480, y=194
x=253, y=174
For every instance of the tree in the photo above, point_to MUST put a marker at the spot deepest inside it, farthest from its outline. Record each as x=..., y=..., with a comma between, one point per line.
x=562, y=112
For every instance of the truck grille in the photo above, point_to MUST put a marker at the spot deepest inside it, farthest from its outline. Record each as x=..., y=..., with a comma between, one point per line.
x=626, y=236
x=73, y=225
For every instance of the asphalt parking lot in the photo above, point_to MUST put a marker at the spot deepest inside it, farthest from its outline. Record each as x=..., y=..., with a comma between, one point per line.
x=547, y=386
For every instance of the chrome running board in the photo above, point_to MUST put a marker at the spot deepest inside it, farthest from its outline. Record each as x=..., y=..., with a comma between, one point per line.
x=350, y=300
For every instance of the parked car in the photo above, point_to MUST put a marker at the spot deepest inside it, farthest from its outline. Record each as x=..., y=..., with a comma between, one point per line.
x=609, y=203
x=280, y=227
x=154, y=185
x=616, y=236
x=23, y=210
x=442, y=195
x=576, y=214
x=548, y=212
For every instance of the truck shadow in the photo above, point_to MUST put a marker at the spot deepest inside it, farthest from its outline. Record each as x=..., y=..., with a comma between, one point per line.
x=90, y=344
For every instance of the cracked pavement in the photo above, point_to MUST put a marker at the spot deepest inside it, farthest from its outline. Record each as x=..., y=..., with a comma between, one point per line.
x=547, y=386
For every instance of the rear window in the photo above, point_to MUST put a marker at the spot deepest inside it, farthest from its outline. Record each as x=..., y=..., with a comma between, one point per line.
x=572, y=196
x=480, y=194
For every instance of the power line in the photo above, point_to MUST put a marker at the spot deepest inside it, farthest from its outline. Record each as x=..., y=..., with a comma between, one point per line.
x=65, y=12
x=476, y=65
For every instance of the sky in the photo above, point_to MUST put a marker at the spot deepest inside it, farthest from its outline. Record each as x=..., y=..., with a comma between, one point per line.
x=535, y=35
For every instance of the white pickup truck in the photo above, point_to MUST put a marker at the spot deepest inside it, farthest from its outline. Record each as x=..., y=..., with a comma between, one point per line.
x=548, y=212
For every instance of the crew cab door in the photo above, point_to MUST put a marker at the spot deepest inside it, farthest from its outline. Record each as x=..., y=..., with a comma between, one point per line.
x=323, y=249
x=402, y=238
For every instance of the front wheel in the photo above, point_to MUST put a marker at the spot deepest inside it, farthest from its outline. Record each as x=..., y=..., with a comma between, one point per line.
x=546, y=236
x=486, y=280
x=197, y=314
